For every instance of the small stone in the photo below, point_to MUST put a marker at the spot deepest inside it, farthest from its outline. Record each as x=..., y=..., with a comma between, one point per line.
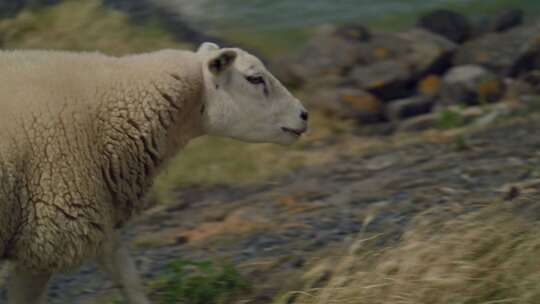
x=429, y=85
x=409, y=107
x=470, y=84
x=181, y=240
x=419, y=123
x=516, y=89
x=513, y=193
x=348, y=103
x=298, y=262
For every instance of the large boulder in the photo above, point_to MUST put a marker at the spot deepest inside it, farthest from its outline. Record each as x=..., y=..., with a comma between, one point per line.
x=380, y=47
x=326, y=56
x=422, y=51
x=508, y=53
x=347, y=103
x=419, y=53
x=470, y=85
x=428, y=53
x=388, y=80
x=449, y=24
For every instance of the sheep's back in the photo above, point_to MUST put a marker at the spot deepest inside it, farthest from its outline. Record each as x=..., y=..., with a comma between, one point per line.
x=63, y=138
x=48, y=145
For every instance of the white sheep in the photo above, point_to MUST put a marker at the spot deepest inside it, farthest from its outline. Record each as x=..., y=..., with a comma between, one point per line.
x=83, y=134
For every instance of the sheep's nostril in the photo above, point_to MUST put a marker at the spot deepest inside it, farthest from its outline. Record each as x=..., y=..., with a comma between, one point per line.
x=304, y=115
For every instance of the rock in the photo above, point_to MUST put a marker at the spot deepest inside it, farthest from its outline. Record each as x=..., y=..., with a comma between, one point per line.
x=491, y=116
x=409, y=107
x=507, y=20
x=326, y=56
x=517, y=88
x=418, y=123
x=471, y=85
x=428, y=53
x=348, y=103
x=532, y=78
x=471, y=114
x=429, y=85
x=421, y=51
x=350, y=55
x=353, y=32
x=381, y=47
x=418, y=54
x=508, y=53
x=449, y=24
x=387, y=80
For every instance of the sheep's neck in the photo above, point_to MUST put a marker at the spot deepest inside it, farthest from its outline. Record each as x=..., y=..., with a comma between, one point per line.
x=145, y=134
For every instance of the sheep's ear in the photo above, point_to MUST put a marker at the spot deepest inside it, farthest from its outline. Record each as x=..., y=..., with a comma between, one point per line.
x=222, y=61
x=208, y=47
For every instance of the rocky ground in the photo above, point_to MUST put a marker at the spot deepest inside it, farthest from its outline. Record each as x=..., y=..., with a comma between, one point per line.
x=446, y=60
x=274, y=231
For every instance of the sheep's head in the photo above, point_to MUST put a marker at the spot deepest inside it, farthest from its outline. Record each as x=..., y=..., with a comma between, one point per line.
x=244, y=101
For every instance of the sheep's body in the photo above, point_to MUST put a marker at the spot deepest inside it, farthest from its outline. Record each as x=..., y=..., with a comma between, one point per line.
x=81, y=136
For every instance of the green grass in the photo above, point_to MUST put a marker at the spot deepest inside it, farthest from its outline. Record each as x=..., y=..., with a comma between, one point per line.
x=205, y=282
x=461, y=143
x=212, y=160
x=449, y=119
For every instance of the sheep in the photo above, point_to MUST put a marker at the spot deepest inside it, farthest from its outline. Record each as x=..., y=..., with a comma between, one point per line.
x=82, y=135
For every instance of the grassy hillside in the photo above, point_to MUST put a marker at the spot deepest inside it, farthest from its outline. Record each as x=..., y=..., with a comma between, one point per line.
x=82, y=25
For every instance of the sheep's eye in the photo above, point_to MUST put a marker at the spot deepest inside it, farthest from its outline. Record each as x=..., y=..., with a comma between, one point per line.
x=255, y=79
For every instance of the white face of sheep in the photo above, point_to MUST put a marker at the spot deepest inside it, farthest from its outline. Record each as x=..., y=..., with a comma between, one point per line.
x=244, y=101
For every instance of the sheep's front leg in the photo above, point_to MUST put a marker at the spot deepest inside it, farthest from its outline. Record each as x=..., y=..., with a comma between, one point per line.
x=115, y=261
x=26, y=287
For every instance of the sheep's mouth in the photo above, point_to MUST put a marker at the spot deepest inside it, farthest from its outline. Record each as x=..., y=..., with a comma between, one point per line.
x=294, y=132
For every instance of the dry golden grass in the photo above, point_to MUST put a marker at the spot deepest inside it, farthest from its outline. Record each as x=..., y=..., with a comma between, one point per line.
x=487, y=256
